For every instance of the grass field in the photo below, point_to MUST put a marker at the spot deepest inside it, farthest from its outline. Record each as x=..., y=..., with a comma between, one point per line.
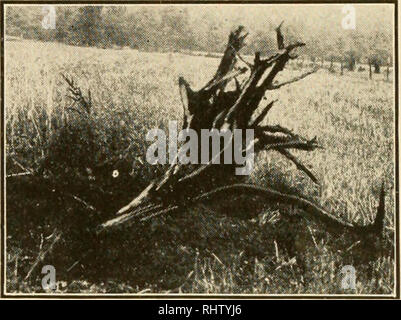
x=197, y=251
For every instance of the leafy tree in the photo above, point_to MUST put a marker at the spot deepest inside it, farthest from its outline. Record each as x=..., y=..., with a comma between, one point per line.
x=64, y=24
x=142, y=29
x=86, y=26
x=175, y=28
x=379, y=49
x=113, y=27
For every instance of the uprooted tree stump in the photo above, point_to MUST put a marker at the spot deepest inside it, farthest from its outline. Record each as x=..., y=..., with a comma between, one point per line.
x=215, y=106
x=235, y=98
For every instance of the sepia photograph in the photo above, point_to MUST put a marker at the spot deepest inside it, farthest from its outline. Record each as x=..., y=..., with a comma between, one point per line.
x=200, y=150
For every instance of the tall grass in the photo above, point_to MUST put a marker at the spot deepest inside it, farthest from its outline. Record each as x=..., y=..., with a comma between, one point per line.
x=199, y=252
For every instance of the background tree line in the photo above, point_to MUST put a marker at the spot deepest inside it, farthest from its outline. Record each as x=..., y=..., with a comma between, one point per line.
x=183, y=28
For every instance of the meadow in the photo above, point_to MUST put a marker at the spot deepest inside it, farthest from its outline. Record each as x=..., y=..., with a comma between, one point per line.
x=197, y=251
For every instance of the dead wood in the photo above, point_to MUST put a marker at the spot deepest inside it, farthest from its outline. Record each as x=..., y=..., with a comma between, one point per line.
x=216, y=106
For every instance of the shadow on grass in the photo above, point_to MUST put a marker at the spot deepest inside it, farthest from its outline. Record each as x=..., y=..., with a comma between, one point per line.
x=174, y=251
